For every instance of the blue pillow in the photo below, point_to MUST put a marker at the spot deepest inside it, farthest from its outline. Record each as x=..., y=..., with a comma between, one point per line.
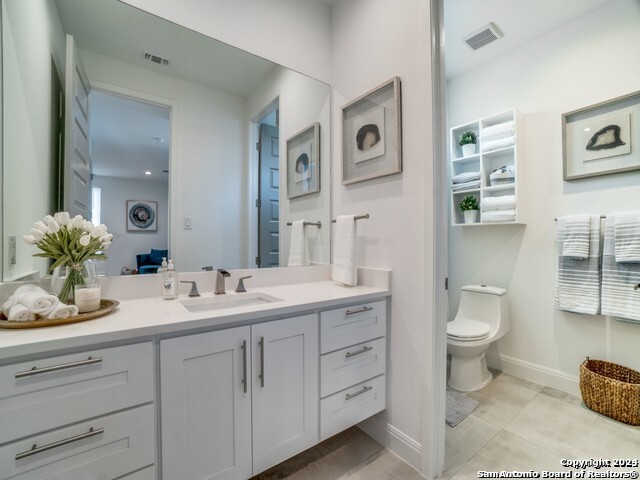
x=156, y=256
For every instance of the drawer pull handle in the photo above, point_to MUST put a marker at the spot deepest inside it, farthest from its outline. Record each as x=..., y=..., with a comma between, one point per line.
x=362, y=350
x=36, y=449
x=55, y=368
x=244, y=365
x=261, y=375
x=365, y=389
x=360, y=310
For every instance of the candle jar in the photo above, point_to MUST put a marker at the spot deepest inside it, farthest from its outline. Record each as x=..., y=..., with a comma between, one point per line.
x=87, y=297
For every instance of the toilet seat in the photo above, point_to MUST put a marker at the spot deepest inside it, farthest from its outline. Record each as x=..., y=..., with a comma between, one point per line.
x=464, y=329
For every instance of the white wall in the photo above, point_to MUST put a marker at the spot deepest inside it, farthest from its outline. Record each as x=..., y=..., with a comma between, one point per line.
x=373, y=41
x=32, y=36
x=208, y=168
x=292, y=33
x=588, y=61
x=114, y=195
x=302, y=101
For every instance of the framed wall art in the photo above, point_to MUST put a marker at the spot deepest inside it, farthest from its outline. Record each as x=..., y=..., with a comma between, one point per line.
x=602, y=139
x=372, y=134
x=142, y=216
x=303, y=162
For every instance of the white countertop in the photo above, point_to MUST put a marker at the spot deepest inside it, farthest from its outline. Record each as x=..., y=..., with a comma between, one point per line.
x=145, y=317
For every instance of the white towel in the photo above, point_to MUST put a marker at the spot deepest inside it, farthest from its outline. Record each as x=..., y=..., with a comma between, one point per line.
x=627, y=236
x=20, y=313
x=578, y=282
x=504, y=202
x=465, y=177
x=474, y=184
x=500, y=130
x=499, y=216
x=298, y=250
x=496, y=144
x=60, y=310
x=575, y=230
x=38, y=301
x=344, y=251
x=619, y=297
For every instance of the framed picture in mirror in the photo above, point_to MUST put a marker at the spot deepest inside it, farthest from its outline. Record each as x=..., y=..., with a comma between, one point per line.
x=372, y=135
x=303, y=162
x=602, y=139
x=142, y=216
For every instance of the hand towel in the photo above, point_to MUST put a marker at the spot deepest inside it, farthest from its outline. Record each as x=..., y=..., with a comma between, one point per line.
x=474, y=184
x=60, y=310
x=38, y=301
x=494, y=132
x=20, y=313
x=504, y=202
x=344, y=251
x=465, y=177
x=298, y=250
x=627, y=236
x=499, y=216
x=575, y=230
x=497, y=144
x=619, y=298
x=578, y=281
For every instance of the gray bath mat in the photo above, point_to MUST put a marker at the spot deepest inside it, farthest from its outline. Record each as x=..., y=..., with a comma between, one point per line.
x=458, y=407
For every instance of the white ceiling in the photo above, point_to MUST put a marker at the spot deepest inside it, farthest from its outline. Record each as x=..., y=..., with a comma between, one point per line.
x=520, y=21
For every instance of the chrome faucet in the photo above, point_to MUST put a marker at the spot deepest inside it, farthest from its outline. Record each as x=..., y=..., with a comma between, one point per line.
x=194, y=289
x=240, y=288
x=220, y=287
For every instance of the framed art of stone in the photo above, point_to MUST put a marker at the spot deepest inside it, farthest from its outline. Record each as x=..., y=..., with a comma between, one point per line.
x=602, y=139
x=142, y=216
x=303, y=162
x=371, y=134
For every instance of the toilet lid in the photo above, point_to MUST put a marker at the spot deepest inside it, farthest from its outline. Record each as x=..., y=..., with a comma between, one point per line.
x=465, y=329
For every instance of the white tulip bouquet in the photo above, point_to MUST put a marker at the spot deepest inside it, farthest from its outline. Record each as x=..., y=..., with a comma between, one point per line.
x=69, y=242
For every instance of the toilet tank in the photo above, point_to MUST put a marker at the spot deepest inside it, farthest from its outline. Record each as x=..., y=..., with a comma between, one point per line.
x=486, y=304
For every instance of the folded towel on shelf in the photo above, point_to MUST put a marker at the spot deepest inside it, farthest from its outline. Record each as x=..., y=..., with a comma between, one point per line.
x=20, y=313
x=503, y=202
x=619, y=280
x=494, y=132
x=627, y=236
x=466, y=185
x=60, y=310
x=499, y=216
x=344, y=251
x=465, y=177
x=578, y=282
x=575, y=231
x=298, y=249
x=491, y=145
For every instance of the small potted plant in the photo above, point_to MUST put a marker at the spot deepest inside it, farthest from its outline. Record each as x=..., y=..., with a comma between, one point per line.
x=469, y=208
x=468, y=143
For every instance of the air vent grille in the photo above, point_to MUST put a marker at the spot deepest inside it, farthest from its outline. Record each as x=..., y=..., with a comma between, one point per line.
x=155, y=59
x=482, y=37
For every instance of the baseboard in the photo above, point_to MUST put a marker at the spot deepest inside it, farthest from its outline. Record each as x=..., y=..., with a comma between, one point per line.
x=534, y=373
x=393, y=439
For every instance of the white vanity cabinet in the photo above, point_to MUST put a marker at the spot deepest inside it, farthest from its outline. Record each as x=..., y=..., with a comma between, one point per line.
x=236, y=402
x=69, y=416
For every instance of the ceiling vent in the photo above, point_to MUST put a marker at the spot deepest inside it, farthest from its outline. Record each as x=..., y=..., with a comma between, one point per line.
x=155, y=59
x=482, y=37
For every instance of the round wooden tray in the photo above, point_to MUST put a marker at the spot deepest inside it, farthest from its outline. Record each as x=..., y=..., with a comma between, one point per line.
x=106, y=306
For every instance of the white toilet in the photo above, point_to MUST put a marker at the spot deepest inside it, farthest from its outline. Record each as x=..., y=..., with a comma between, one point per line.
x=482, y=318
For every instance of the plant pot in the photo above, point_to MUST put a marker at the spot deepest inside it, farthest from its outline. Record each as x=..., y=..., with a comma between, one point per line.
x=468, y=149
x=470, y=216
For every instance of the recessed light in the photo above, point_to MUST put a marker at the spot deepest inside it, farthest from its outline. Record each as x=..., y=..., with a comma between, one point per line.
x=147, y=172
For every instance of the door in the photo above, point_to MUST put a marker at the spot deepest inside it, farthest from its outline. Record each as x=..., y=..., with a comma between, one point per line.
x=206, y=406
x=285, y=393
x=77, y=160
x=268, y=197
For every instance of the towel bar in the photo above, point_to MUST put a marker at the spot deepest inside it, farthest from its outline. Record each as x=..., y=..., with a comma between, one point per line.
x=315, y=224
x=358, y=217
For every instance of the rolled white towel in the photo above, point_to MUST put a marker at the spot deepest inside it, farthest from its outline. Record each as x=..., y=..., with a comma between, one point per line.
x=60, y=310
x=19, y=293
x=39, y=302
x=20, y=313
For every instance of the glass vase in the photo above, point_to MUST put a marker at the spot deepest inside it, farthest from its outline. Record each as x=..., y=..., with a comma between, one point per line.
x=66, y=277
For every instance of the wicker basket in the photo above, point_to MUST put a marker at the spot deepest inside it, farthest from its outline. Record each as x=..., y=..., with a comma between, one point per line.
x=611, y=390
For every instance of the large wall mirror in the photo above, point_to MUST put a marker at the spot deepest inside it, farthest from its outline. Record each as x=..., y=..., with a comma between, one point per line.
x=175, y=119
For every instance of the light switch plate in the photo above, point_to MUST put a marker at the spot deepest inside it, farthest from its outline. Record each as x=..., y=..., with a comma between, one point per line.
x=187, y=223
x=12, y=250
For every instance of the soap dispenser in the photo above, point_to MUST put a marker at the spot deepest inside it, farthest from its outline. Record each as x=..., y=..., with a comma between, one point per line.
x=170, y=282
x=163, y=267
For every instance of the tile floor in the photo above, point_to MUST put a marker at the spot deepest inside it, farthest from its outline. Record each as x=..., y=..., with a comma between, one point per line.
x=519, y=425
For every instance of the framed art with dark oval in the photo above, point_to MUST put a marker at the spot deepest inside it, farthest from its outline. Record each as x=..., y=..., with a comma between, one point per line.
x=142, y=216
x=371, y=134
x=602, y=139
x=303, y=162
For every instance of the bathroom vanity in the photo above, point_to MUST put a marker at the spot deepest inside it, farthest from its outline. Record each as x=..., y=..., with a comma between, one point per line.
x=163, y=389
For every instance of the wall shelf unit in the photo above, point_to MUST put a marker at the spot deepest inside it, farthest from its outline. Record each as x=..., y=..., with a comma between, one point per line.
x=494, y=174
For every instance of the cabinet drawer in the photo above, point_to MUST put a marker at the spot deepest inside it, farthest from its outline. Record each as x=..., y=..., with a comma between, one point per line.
x=148, y=473
x=118, y=444
x=51, y=392
x=351, y=325
x=344, y=409
x=346, y=367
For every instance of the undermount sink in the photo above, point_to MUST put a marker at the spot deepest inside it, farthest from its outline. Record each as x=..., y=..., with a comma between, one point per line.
x=228, y=301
